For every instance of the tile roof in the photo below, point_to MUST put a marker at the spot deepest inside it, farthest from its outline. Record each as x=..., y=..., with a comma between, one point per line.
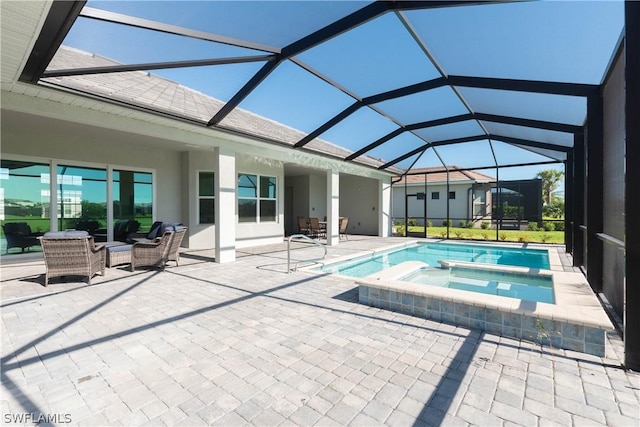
x=439, y=174
x=143, y=89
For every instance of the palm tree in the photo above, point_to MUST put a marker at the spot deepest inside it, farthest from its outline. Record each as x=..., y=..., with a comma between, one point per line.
x=550, y=179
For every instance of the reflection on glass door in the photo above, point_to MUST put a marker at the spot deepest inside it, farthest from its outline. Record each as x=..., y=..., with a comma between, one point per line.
x=24, y=205
x=82, y=198
x=133, y=197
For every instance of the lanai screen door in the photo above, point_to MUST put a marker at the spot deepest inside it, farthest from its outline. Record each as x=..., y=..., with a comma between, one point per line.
x=416, y=214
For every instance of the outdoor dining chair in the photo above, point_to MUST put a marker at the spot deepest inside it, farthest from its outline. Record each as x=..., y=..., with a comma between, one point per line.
x=303, y=226
x=344, y=224
x=314, y=228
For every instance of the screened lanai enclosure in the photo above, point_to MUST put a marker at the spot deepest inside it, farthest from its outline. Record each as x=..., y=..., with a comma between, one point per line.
x=498, y=88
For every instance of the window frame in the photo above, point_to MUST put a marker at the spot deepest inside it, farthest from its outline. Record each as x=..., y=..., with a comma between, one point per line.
x=452, y=193
x=435, y=195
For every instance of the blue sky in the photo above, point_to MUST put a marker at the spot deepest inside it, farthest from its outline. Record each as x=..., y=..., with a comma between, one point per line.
x=554, y=41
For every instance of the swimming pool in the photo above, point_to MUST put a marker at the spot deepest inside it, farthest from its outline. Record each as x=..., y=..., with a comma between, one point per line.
x=538, y=288
x=432, y=253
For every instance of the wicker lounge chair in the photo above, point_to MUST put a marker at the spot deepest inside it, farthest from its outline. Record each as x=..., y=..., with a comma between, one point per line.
x=174, y=248
x=71, y=253
x=152, y=254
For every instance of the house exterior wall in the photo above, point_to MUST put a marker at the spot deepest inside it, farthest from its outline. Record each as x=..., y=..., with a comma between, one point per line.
x=113, y=136
x=317, y=196
x=359, y=202
x=100, y=151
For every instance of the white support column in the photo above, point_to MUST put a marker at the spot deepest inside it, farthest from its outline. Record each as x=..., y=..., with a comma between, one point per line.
x=333, y=207
x=225, y=204
x=384, y=203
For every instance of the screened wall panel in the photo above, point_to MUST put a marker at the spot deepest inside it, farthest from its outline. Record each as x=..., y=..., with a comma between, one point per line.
x=258, y=22
x=529, y=133
x=488, y=40
x=614, y=183
x=359, y=129
x=424, y=106
x=114, y=41
x=294, y=97
x=382, y=44
x=527, y=105
x=453, y=130
x=510, y=154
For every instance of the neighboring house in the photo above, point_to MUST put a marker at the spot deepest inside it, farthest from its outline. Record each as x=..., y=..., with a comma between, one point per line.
x=424, y=195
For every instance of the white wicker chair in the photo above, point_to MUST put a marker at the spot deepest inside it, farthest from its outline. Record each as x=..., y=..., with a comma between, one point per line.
x=72, y=253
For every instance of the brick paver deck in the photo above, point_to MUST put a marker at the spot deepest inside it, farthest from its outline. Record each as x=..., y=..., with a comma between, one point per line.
x=246, y=344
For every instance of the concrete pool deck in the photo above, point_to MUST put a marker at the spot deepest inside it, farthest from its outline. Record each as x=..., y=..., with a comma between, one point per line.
x=246, y=344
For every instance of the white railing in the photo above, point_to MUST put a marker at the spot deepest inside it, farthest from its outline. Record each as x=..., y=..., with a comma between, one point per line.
x=302, y=236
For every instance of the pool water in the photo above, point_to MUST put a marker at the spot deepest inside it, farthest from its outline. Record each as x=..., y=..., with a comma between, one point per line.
x=431, y=253
x=514, y=285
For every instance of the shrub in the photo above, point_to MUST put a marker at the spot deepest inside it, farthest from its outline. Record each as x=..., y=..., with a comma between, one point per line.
x=447, y=223
x=559, y=226
x=484, y=225
x=548, y=226
x=412, y=222
x=533, y=226
x=429, y=223
x=399, y=230
x=485, y=235
x=545, y=238
x=523, y=239
x=443, y=233
x=503, y=236
x=458, y=233
x=462, y=224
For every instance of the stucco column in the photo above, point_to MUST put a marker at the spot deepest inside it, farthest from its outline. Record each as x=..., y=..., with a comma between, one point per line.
x=333, y=207
x=225, y=205
x=384, y=209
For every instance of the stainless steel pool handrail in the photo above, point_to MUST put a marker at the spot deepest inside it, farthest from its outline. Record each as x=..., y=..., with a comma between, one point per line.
x=302, y=236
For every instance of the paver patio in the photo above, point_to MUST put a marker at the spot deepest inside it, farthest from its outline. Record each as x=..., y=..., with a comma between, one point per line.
x=246, y=344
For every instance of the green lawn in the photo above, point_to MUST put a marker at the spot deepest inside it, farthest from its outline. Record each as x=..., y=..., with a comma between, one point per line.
x=504, y=235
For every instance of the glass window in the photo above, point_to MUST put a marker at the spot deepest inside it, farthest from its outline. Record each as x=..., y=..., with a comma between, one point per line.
x=133, y=197
x=247, y=198
x=435, y=195
x=24, y=199
x=452, y=195
x=254, y=205
x=247, y=210
x=247, y=186
x=206, y=198
x=82, y=198
x=268, y=195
